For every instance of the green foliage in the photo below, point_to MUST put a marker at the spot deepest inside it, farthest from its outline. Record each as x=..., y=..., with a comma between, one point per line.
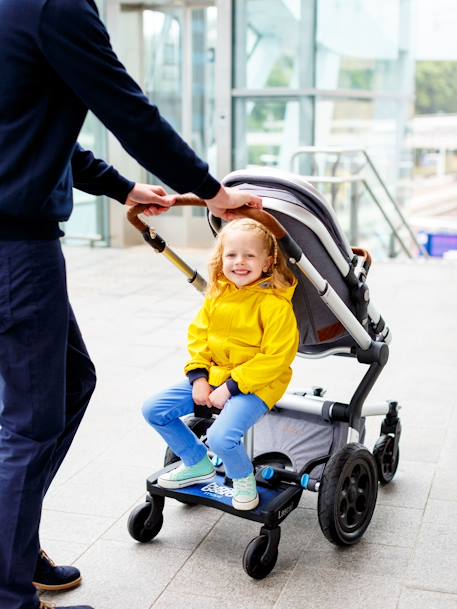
x=436, y=87
x=281, y=73
x=357, y=74
x=265, y=114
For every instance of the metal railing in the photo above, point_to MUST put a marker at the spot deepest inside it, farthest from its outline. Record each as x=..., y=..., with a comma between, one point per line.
x=359, y=183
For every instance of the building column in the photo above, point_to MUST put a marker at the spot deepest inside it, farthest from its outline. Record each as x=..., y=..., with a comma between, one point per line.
x=126, y=32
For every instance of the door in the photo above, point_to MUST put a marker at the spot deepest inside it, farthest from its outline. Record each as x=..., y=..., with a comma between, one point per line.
x=176, y=56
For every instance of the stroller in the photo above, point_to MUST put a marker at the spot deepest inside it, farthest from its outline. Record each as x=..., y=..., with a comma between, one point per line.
x=306, y=443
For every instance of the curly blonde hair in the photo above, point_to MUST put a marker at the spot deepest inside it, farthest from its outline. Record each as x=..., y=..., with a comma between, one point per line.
x=279, y=275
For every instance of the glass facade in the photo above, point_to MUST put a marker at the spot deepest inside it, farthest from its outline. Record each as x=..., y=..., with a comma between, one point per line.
x=248, y=82
x=358, y=45
x=268, y=130
x=340, y=72
x=272, y=44
x=89, y=220
x=179, y=74
x=163, y=65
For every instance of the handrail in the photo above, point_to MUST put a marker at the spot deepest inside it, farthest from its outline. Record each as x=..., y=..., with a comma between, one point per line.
x=358, y=179
x=363, y=181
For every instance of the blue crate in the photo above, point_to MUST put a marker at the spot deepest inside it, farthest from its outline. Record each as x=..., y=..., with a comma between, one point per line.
x=437, y=244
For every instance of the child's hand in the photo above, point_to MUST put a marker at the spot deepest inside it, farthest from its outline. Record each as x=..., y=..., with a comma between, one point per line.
x=200, y=391
x=219, y=397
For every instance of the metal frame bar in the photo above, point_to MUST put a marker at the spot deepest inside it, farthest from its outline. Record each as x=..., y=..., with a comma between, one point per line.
x=357, y=179
x=335, y=304
x=289, y=180
x=223, y=86
x=314, y=224
x=322, y=354
x=312, y=404
x=315, y=92
x=134, y=5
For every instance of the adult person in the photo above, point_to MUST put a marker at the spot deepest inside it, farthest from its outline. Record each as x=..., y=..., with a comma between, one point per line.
x=56, y=62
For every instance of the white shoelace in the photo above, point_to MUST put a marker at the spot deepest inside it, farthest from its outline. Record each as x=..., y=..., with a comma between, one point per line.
x=244, y=484
x=47, y=559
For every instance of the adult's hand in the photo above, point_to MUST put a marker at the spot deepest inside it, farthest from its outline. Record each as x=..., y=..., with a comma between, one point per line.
x=224, y=204
x=155, y=196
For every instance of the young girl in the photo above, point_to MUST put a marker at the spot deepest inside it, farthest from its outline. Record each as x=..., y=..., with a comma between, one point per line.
x=241, y=345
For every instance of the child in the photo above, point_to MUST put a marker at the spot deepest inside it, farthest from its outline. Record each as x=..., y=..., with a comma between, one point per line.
x=241, y=345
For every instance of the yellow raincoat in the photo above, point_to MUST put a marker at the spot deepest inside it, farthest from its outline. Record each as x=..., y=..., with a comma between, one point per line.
x=248, y=334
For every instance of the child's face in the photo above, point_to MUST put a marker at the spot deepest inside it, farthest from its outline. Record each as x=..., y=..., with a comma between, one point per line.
x=244, y=257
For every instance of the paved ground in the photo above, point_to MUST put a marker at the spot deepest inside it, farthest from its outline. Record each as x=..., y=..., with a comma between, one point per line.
x=134, y=309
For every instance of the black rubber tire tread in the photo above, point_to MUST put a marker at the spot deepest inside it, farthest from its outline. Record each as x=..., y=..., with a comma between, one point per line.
x=331, y=484
x=378, y=452
x=199, y=426
x=137, y=519
x=252, y=555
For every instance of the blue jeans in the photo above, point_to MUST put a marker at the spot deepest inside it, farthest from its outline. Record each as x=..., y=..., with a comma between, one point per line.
x=163, y=412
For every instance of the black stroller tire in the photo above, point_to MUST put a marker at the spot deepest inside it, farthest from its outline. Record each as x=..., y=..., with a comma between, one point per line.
x=199, y=426
x=252, y=558
x=136, y=524
x=347, y=494
x=383, y=454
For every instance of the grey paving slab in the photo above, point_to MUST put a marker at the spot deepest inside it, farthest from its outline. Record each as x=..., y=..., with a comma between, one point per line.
x=184, y=526
x=134, y=310
x=416, y=411
x=138, y=357
x=422, y=599
x=394, y=526
x=62, y=552
x=230, y=536
x=444, y=484
x=114, y=489
x=123, y=576
x=367, y=559
x=178, y=600
x=72, y=527
x=434, y=564
x=441, y=516
x=326, y=588
x=228, y=580
x=309, y=501
x=414, y=439
x=411, y=486
x=141, y=447
x=94, y=438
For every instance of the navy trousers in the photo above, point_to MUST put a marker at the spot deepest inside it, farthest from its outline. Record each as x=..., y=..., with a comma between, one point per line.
x=46, y=381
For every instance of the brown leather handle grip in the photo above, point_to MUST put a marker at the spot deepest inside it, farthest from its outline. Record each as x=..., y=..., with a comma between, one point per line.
x=189, y=199
x=264, y=218
x=135, y=211
x=365, y=254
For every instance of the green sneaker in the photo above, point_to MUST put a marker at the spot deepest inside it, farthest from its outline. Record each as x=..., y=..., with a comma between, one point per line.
x=187, y=475
x=245, y=496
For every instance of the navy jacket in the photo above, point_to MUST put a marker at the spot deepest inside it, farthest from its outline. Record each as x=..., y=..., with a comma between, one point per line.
x=56, y=62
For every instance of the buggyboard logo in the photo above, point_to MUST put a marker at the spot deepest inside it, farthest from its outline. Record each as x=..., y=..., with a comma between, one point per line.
x=282, y=513
x=218, y=490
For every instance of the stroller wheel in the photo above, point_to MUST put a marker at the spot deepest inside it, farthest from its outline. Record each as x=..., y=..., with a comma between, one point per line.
x=383, y=453
x=252, y=558
x=145, y=521
x=199, y=426
x=347, y=494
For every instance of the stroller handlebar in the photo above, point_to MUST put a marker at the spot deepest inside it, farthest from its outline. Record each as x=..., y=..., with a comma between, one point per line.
x=189, y=199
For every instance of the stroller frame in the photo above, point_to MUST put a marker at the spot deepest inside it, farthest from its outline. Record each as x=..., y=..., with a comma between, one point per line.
x=344, y=511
